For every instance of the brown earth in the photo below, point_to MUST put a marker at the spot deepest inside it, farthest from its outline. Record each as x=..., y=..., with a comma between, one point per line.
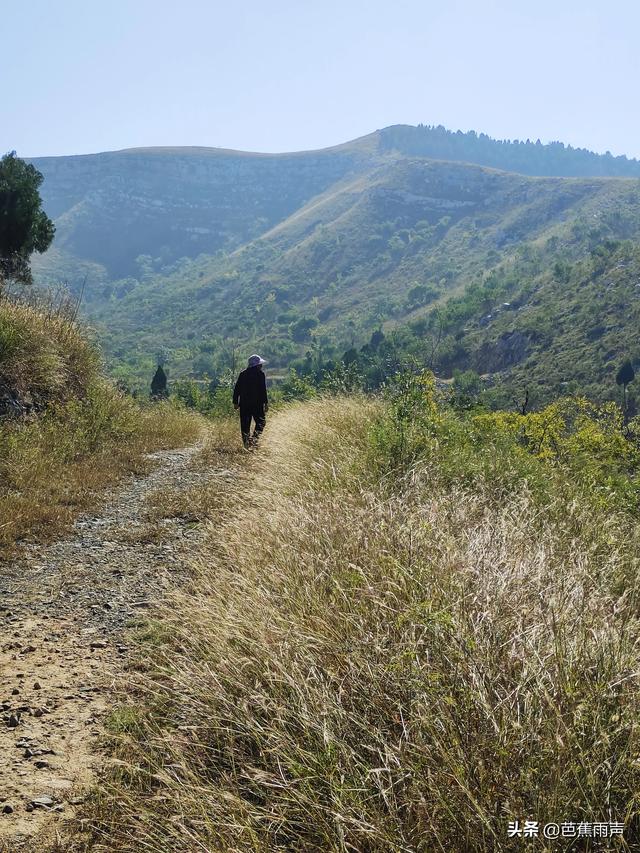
x=65, y=610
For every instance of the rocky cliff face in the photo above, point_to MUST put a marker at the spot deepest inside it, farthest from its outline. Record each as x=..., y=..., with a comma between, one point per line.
x=172, y=203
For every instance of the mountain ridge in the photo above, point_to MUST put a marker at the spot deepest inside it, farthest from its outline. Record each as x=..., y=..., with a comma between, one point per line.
x=310, y=250
x=383, y=137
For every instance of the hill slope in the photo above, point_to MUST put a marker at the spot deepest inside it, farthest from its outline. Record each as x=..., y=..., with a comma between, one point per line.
x=383, y=249
x=170, y=203
x=194, y=254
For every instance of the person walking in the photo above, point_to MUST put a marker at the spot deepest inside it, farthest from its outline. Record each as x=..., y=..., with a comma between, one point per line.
x=250, y=396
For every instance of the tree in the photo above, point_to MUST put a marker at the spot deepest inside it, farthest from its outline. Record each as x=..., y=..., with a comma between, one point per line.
x=417, y=295
x=625, y=375
x=377, y=338
x=24, y=226
x=350, y=356
x=301, y=329
x=159, y=384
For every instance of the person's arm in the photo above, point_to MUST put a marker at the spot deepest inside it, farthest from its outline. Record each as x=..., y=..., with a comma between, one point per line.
x=265, y=399
x=236, y=394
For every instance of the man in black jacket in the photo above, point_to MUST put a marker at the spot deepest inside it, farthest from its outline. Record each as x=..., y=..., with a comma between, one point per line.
x=250, y=396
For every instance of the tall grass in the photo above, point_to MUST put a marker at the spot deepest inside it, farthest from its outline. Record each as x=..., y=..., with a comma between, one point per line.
x=44, y=355
x=78, y=434
x=374, y=656
x=56, y=465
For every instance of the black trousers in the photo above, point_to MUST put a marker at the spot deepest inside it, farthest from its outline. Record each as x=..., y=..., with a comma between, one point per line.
x=255, y=413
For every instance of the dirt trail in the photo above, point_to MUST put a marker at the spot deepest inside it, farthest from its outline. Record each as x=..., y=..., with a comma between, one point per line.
x=64, y=609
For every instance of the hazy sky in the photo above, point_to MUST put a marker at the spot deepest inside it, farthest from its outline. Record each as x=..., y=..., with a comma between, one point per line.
x=95, y=75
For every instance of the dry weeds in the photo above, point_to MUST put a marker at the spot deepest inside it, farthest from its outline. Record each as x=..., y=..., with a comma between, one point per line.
x=367, y=665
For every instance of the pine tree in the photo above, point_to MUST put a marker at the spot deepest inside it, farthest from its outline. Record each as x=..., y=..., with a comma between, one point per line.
x=625, y=375
x=159, y=384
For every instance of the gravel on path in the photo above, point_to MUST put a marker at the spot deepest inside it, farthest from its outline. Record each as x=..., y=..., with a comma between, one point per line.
x=64, y=608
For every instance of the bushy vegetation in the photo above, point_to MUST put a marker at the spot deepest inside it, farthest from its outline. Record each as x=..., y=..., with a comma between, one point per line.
x=422, y=625
x=65, y=432
x=571, y=449
x=44, y=357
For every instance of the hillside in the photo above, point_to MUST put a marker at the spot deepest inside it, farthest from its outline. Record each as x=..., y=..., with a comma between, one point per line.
x=567, y=327
x=383, y=250
x=167, y=204
x=193, y=255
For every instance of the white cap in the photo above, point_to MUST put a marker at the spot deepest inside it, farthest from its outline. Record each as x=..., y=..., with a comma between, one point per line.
x=255, y=360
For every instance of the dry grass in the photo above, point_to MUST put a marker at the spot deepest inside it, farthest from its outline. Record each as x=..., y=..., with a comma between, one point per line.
x=366, y=664
x=55, y=466
x=79, y=434
x=223, y=455
x=44, y=355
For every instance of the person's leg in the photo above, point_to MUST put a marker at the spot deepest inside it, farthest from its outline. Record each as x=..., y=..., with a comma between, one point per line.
x=260, y=419
x=245, y=425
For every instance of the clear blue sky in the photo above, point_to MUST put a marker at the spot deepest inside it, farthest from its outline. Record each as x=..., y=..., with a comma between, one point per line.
x=95, y=75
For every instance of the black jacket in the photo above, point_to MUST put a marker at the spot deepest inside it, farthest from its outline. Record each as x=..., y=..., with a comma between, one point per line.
x=251, y=389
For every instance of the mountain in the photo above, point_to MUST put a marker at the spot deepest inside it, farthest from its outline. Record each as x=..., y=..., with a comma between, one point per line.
x=169, y=203
x=199, y=254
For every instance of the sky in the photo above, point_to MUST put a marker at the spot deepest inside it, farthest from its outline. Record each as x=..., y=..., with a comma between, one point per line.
x=84, y=76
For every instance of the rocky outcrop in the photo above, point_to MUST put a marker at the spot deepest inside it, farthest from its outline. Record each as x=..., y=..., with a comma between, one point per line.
x=14, y=404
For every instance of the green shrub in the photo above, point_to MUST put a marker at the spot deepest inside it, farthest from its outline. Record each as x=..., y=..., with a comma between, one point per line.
x=572, y=446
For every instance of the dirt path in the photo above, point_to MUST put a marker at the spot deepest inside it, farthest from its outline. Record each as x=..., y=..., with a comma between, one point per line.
x=64, y=609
